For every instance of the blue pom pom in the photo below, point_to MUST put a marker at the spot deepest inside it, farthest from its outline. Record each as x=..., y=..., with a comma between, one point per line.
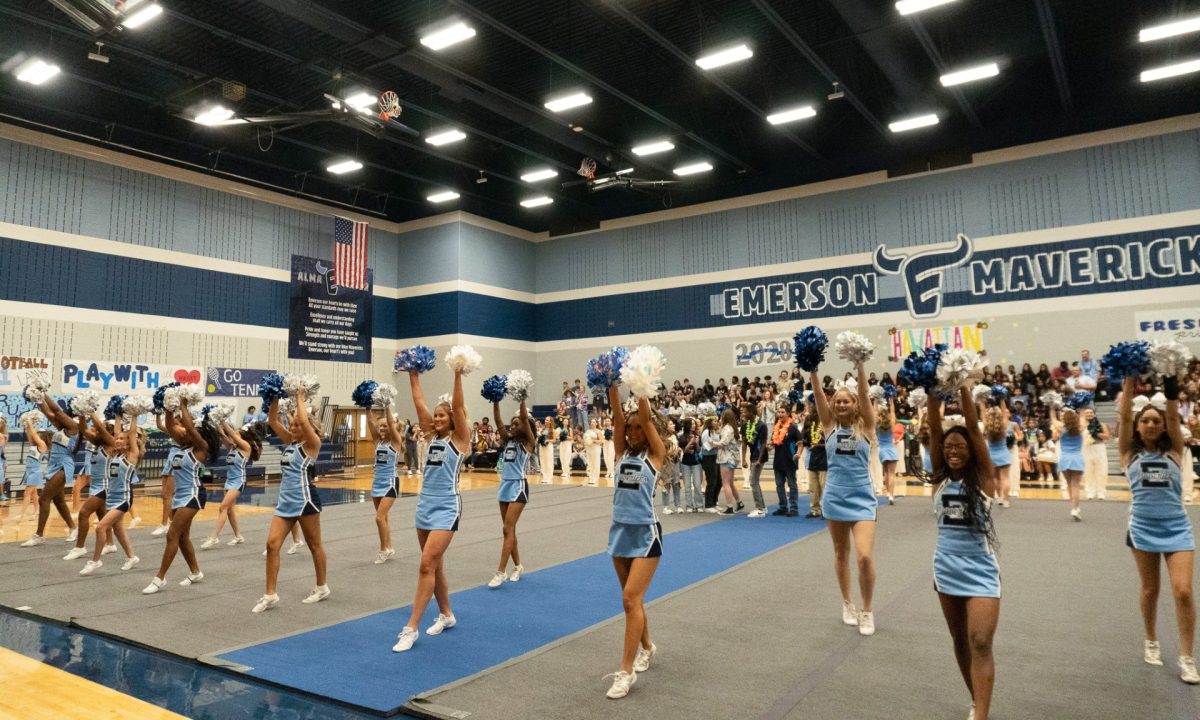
x=158, y=397
x=1126, y=359
x=270, y=388
x=920, y=370
x=605, y=371
x=795, y=398
x=1079, y=400
x=363, y=395
x=810, y=344
x=999, y=392
x=417, y=358
x=1094, y=428
x=494, y=388
x=722, y=408
x=113, y=410
x=889, y=391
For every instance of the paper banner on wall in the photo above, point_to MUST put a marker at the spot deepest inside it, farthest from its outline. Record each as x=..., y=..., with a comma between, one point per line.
x=327, y=321
x=234, y=382
x=16, y=371
x=115, y=378
x=1178, y=325
x=965, y=337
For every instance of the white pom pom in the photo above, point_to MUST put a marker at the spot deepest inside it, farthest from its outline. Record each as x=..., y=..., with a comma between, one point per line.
x=135, y=405
x=219, y=414
x=875, y=393
x=519, y=383
x=294, y=381
x=917, y=398
x=384, y=395
x=1169, y=359
x=171, y=398
x=1051, y=399
x=191, y=395
x=463, y=358
x=33, y=417
x=706, y=409
x=687, y=410
x=642, y=371
x=981, y=393
x=445, y=398
x=952, y=421
x=287, y=406
x=957, y=367
x=86, y=404
x=854, y=347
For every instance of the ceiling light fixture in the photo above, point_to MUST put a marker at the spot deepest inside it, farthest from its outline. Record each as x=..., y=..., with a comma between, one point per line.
x=213, y=115
x=36, y=71
x=536, y=201
x=567, y=102
x=447, y=36
x=787, y=116
x=908, y=7
x=693, y=168
x=446, y=137
x=536, y=175
x=626, y=171
x=970, y=74
x=724, y=57
x=444, y=196
x=1169, y=71
x=912, y=123
x=361, y=100
x=341, y=167
x=654, y=147
x=1171, y=29
x=142, y=15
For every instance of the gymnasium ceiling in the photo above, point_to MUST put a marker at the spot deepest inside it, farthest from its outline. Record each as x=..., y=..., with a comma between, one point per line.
x=1066, y=66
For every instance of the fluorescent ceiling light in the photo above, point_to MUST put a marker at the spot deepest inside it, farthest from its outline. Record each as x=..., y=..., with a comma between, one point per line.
x=142, y=15
x=908, y=7
x=1171, y=29
x=693, y=168
x=445, y=138
x=448, y=36
x=970, y=74
x=787, y=116
x=536, y=175
x=567, y=102
x=1168, y=71
x=913, y=123
x=446, y=196
x=626, y=171
x=214, y=115
x=724, y=57
x=344, y=166
x=536, y=201
x=654, y=147
x=360, y=100
x=36, y=71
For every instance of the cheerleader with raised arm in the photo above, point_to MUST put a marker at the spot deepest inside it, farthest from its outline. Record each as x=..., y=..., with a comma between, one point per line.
x=1070, y=459
x=122, y=448
x=244, y=447
x=885, y=420
x=516, y=440
x=998, y=425
x=167, y=484
x=60, y=465
x=35, y=454
x=385, y=487
x=965, y=572
x=97, y=478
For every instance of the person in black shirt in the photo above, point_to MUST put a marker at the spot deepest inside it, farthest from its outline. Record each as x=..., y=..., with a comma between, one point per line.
x=784, y=440
x=754, y=433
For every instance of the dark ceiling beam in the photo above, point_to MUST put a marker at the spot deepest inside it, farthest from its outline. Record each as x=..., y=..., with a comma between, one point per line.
x=597, y=82
x=625, y=14
x=1058, y=65
x=815, y=60
x=936, y=58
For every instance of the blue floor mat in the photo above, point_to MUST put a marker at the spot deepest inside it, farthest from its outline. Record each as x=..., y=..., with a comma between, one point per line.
x=353, y=661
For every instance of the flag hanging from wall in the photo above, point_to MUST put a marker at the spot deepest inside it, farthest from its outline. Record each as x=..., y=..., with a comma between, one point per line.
x=349, y=253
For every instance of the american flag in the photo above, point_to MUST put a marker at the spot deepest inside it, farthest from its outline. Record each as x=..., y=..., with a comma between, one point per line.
x=349, y=253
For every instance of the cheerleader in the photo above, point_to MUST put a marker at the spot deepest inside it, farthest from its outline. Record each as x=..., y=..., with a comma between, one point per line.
x=35, y=477
x=167, y=480
x=439, y=506
x=517, y=442
x=1070, y=457
x=122, y=448
x=385, y=487
x=1151, y=445
x=299, y=503
x=848, y=501
x=546, y=450
x=97, y=475
x=60, y=465
x=83, y=469
x=884, y=422
x=1095, y=456
x=593, y=443
x=245, y=447
x=4, y=487
x=965, y=573
x=610, y=450
x=635, y=537
x=998, y=425
x=196, y=445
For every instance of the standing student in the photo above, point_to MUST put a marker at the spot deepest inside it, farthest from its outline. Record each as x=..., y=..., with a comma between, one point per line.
x=439, y=507
x=196, y=445
x=123, y=447
x=635, y=537
x=610, y=452
x=728, y=452
x=564, y=447
x=593, y=443
x=965, y=573
x=299, y=503
x=754, y=433
x=244, y=447
x=848, y=501
x=708, y=464
x=671, y=477
x=35, y=475
x=97, y=488
x=785, y=439
x=1070, y=458
x=885, y=419
x=385, y=487
x=411, y=462
x=59, y=466
x=1160, y=531
x=517, y=443
x=1095, y=456
x=812, y=436
x=546, y=450
x=689, y=465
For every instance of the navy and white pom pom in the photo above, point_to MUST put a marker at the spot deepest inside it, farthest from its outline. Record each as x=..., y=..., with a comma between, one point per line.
x=33, y=394
x=1079, y=400
x=160, y=395
x=494, y=388
x=418, y=359
x=1126, y=359
x=270, y=388
x=364, y=395
x=114, y=409
x=920, y=370
x=810, y=344
x=604, y=371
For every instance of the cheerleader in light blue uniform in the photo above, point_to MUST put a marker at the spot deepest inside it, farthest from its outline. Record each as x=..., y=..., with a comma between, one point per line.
x=439, y=506
x=848, y=500
x=635, y=536
x=1151, y=445
x=966, y=575
x=122, y=448
x=385, y=486
x=60, y=466
x=517, y=441
x=998, y=427
x=885, y=419
x=168, y=480
x=244, y=447
x=198, y=444
x=1070, y=456
x=97, y=478
x=298, y=500
x=34, y=478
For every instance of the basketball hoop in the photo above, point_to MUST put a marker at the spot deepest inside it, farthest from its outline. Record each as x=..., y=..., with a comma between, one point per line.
x=587, y=168
x=389, y=105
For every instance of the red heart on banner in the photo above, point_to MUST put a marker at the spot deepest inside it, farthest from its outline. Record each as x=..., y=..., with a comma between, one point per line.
x=183, y=377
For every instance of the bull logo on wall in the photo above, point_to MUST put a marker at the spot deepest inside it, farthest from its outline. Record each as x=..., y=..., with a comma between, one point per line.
x=922, y=272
